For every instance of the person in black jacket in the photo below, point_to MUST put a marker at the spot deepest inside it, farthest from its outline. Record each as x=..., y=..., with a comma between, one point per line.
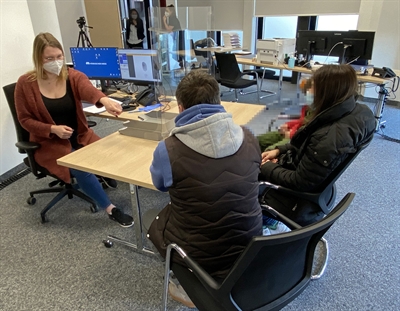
x=135, y=30
x=338, y=124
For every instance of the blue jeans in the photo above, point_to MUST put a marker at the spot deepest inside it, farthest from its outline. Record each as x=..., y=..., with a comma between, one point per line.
x=90, y=185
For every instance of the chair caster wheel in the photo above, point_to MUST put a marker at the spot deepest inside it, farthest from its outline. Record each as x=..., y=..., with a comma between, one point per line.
x=31, y=200
x=93, y=209
x=44, y=218
x=108, y=243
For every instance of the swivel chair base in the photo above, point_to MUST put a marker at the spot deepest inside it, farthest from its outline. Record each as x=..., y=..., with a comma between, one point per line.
x=67, y=190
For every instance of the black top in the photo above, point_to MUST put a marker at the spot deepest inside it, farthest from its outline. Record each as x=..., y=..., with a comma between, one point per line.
x=63, y=112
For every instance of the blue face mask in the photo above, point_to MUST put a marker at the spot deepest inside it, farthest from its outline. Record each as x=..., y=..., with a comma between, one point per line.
x=309, y=98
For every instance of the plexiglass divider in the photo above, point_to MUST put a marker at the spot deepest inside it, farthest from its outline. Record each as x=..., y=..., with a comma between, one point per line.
x=174, y=34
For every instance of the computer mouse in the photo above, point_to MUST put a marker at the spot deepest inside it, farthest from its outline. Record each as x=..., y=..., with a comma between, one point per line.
x=317, y=63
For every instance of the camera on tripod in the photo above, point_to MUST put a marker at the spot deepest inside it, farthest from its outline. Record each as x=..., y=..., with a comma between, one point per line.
x=81, y=22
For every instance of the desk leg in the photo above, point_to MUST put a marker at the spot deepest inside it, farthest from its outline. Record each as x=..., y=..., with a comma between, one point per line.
x=380, y=105
x=298, y=88
x=137, y=217
x=280, y=84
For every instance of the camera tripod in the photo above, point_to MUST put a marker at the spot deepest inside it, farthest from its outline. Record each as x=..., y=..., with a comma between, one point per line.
x=84, y=39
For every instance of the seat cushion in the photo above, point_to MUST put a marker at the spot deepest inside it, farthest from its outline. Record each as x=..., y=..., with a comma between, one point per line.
x=238, y=84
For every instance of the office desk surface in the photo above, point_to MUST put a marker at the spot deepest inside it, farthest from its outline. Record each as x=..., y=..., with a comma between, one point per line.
x=127, y=158
x=242, y=113
x=250, y=62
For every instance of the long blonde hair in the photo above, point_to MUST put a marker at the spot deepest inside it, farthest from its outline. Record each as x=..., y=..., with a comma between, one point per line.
x=42, y=41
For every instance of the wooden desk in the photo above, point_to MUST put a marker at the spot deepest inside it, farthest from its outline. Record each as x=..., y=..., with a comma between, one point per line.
x=128, y=159
x=378, y=110
x=241, y=113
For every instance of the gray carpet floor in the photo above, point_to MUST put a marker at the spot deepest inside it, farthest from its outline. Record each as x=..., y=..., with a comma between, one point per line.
x=63, y=264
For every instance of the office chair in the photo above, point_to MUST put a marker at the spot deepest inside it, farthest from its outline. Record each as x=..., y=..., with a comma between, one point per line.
x=229, y=74
x=271, y=272
x=323, y=196
x=26, y=147
x=263, y=73
x=201, y=60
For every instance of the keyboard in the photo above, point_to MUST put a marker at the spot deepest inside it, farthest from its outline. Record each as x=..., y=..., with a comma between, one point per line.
x=121, y=99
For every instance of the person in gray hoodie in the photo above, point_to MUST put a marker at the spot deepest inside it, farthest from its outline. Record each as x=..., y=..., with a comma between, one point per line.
x=210, y=166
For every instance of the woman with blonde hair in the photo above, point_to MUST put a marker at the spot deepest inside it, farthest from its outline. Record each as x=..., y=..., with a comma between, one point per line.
x=48, y=101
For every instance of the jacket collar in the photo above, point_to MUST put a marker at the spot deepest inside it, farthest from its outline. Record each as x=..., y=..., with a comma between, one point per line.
x=327, y=116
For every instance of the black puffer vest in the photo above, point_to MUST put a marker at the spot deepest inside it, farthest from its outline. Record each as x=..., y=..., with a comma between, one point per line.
x=214, y=210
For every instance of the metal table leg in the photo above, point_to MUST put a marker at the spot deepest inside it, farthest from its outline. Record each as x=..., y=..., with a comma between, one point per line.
x=380, y=105
x=137, y=217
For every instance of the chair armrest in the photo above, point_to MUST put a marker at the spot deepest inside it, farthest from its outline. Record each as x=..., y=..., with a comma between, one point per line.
x=287, y=221
x=203, y=276
x=27, y=146
x=250, y=73
x=313, y=197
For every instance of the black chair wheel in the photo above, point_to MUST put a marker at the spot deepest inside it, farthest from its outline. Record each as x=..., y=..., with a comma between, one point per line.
x=108, y=243
x=44, y=218
x=93, y=208
x=31, y=200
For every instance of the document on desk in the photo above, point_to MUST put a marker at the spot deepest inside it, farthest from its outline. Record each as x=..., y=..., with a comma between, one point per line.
x=90, y=108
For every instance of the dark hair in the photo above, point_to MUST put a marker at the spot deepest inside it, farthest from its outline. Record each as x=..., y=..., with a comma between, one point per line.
x=333, y=84
x=130, y=13
x=172, y=8
x=197, y=87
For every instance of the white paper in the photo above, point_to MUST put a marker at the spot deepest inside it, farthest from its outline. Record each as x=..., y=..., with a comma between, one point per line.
x=93, y=109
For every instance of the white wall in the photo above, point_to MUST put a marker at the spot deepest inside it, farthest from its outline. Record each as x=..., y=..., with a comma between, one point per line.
x=382, y=16
x=68, y=12
x=16, y=38
x=44, y=17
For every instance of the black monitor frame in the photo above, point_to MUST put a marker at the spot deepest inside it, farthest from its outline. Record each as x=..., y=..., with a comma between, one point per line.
x=152, y=63
x=347, y=45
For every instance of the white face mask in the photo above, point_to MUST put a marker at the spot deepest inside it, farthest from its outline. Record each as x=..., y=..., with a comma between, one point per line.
x=54, y=67
x=309, y=98
x=134, y=16
x=167, y=14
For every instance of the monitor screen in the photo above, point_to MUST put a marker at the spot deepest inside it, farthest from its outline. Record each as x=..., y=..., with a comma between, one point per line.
x=347, y=45
x=97, y=63
x=140, y=67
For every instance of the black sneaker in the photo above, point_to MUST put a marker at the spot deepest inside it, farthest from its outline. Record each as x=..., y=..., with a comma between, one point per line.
x=124, y=220
x=108, y=182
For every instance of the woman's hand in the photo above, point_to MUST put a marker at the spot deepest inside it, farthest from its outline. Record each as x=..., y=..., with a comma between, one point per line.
x=62, y=131
x=111, y=106
x=271, y=155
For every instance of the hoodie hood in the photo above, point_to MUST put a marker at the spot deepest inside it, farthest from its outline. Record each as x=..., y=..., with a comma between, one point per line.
x=209, y=130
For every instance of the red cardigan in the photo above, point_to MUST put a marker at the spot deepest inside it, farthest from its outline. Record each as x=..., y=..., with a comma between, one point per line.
x=34, y=117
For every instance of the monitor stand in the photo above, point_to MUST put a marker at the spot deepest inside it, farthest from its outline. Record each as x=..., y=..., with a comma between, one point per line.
x=106, y=89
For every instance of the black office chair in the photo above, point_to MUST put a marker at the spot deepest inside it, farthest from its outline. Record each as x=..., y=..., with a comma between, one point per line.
x=323, y=196
x=270, y=273
x=25, y=146
x=229, y=74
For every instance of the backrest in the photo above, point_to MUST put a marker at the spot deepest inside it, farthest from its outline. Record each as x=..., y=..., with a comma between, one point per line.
x=338, y=171
x=22, y=134
x=326, y=192
x=275, y=269
x=228, y=67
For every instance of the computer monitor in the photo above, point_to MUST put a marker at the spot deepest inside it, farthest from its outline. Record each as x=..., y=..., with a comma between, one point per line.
x=97, y=63
x=140, y=67
x=347, y=45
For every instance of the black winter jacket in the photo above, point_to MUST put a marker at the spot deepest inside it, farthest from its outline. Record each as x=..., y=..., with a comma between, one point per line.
x=318, y=148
